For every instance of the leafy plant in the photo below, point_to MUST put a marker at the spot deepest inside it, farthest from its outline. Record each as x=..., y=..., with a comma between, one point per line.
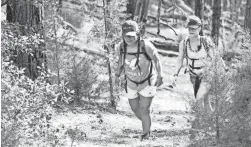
x=229, y=125
x=27, y=110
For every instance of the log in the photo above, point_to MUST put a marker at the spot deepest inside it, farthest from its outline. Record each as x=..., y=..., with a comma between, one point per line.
x=166, y=46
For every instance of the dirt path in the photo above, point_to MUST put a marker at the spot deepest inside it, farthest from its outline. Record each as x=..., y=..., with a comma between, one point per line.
x=170, y=120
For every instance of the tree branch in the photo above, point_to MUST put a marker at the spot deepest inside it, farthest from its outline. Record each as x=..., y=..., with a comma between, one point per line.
x=163, y=22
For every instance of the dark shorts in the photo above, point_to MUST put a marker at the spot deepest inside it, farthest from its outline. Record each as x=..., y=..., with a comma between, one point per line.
x=196, y=81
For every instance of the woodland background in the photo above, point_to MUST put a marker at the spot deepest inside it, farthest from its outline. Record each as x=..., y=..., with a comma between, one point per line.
x=58, y=59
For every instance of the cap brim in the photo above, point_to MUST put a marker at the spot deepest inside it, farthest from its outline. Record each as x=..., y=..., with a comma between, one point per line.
x=131, y=34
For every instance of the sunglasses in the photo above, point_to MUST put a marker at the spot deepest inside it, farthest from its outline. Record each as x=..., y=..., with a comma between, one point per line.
x=192, y=29
x=127, y=36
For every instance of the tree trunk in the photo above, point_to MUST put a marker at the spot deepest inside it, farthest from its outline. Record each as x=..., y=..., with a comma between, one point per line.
x=237, y=10
x=235, y=7
x=199, y=9
x=215, y=34
x=141, y=10
x=106, y=12
x=216, y=21
x=28, y=16
x=138, y=8
x=130, y=8
x=247, y=23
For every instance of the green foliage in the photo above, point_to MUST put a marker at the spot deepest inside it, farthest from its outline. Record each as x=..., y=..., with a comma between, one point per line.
x=15, y=43
x=82, y=75
x=113, y=22
x=237, y=125
x=27, y=110
x=232, y=91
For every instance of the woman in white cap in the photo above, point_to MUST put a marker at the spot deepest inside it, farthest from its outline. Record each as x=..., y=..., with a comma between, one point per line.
x=198, y=52
x=140, y=62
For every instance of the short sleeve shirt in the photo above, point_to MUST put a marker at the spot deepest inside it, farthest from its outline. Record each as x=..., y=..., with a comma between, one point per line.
x=141, y=71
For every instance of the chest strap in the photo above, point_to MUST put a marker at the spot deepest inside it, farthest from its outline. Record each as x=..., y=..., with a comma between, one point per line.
x=195, y=67
x=143, y=81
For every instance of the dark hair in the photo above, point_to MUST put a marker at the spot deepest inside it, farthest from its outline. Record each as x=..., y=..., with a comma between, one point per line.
x=137, y=62
x=125, y=48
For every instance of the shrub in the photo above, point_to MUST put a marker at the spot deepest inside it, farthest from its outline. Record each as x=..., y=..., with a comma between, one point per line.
x=26, y=104
x=229, y=125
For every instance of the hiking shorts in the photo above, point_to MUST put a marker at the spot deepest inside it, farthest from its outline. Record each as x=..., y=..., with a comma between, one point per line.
x=148, y=91
x=199, y=82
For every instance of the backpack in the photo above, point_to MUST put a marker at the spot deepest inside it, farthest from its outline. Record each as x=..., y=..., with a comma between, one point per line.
x=141, y=50
x=204, y=42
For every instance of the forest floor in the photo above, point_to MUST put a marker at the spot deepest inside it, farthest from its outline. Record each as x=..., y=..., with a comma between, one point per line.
x=170, y=111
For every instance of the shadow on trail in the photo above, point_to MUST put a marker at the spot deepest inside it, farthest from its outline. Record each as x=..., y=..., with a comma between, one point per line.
x=160, y=133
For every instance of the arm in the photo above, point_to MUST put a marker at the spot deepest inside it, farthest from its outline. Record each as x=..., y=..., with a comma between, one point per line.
x=153, y=54
x=180, y=58
x=157, y=64
x=156, y=61
x=119, y=67
x=120, y=62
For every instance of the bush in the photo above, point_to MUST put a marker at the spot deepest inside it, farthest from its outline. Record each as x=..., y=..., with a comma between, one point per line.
x=27, y=109
x=82, y=74
x=229, y=125
x=237, y=126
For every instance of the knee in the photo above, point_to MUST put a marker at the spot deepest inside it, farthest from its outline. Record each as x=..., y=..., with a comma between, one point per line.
x=135, y=109
x=206, y=86
x=203, y=92
x=200, y=102
x=145, y=110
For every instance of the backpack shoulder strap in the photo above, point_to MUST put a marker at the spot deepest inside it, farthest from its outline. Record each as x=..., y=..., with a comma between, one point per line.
x=143, y=48
x=121, y=48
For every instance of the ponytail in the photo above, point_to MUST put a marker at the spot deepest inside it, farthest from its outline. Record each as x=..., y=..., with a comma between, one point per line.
x=138, y=51
x=125, y=49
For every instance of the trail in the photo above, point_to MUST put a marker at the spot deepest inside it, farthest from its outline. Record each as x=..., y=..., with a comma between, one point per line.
x=170, y=113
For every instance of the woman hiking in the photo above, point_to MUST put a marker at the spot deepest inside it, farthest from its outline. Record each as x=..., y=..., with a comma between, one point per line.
x=140, y=62
x=198, y=52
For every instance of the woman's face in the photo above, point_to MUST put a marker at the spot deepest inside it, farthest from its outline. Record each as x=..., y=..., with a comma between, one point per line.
x=130, y=40
x=193, y=30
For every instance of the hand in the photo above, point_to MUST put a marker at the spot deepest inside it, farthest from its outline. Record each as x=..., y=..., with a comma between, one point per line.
x=159, y=81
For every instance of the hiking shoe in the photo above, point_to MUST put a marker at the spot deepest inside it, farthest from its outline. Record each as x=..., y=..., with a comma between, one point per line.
x=144, y=136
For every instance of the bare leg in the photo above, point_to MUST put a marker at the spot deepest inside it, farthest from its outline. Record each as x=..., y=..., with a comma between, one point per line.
x=135, y=106
x=207, y=103
x=145, y=103
x=202, y=97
